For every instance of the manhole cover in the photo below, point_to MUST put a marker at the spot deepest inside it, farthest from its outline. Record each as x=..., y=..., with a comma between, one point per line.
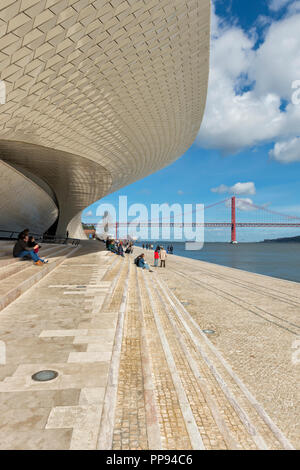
x=209, y=332
x=44, y=375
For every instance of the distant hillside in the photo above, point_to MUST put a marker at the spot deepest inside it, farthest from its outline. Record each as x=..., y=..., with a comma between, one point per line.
x=284, y=240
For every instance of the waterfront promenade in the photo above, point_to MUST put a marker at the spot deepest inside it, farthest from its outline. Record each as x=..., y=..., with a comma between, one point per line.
x=135, y=370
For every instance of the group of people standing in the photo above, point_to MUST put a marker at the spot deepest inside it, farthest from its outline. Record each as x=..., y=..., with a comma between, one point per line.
x=27, y=248
x=149, y=246
x=120, y=247
x=159, y=254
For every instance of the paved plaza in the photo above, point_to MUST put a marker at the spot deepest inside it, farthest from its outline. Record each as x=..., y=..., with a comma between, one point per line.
x=135, y=369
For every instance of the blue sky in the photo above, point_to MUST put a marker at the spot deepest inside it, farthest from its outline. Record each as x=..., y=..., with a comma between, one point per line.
x=263, y=148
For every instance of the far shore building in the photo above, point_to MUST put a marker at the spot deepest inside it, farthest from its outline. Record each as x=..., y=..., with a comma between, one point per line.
x=98, y=94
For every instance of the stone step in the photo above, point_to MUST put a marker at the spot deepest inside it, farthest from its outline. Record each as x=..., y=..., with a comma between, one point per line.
x=6, y=245
x=20, y=282
x=103, y=339
x=210, y=421
x=11, y=269
x=8, y=259
x=116, y=301
x=135, y=402
x=179, y=428
x=7, y=250
x=163, y=384
x=173, y=390
x=12, y=272
x=227, y=397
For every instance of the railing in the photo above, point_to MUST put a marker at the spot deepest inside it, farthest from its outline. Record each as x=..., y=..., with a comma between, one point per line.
x=13, y=235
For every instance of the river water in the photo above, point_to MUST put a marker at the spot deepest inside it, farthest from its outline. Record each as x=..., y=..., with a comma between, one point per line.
x=280, y=260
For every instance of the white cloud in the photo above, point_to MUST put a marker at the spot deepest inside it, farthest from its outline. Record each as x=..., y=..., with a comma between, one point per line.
x=237, y=118
x=277, y=62
x=276, y=5
x=294, y=8
x=240, y=189
x=242, y=204
x=220, y=189
x=287, y=152
x=244, y=188
x=180, y=192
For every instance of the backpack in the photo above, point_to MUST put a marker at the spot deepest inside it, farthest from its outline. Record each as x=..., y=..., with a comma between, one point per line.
x=136, y=261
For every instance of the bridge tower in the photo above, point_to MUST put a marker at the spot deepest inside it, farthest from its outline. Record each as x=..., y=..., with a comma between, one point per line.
x=233, y=220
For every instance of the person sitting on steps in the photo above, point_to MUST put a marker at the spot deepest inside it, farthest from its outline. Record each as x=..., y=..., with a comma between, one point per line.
x=33, y=244
x=120, y=250
x=142, y=263
x=22, y=250
x=24, y=232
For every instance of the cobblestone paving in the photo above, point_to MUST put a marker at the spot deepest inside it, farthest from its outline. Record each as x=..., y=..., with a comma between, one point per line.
x=230, y=416
x=256, y=336
x=130, y=419
x=113, y=304
x=173, y=430
x=210, y=434
x=207, y=425
x=135, y=368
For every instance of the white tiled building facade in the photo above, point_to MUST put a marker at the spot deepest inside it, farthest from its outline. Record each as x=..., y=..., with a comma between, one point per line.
x=99, y=94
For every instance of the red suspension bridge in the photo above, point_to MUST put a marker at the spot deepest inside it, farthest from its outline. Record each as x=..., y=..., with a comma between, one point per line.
x=263, y=217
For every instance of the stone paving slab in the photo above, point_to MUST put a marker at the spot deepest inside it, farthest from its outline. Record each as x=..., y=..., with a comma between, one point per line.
x=136, y=371
x=255, y=320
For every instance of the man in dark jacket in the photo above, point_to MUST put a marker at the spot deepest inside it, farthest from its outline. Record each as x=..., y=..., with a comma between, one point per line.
x=120, y=249
x=24, y=232
x=21, y=249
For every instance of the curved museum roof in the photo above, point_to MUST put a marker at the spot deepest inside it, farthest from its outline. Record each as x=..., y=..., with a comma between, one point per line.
x=98, y=95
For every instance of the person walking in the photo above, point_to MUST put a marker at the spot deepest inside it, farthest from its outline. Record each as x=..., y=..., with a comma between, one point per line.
x=163, y=257
x=156, y=258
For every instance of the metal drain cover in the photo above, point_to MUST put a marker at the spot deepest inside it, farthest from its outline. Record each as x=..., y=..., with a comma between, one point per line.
x=209, y=332
x=44, y=375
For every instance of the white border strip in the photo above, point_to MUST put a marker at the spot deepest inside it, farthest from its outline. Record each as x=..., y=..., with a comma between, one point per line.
x=191, y=425
x=153, y=428
x=213, y=406
x=105, y=437
x=261, y=412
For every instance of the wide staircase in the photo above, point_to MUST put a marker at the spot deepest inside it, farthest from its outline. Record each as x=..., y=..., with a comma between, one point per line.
x=135, y=369
x=174, y=389
x=17, y=275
